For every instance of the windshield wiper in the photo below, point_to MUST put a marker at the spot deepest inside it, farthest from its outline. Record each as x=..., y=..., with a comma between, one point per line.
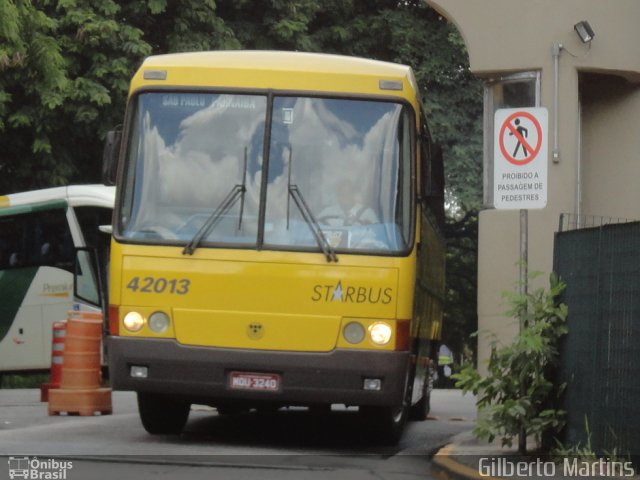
x=322, y=241
x=244, y=189
x=228, y=202
x=314, y=226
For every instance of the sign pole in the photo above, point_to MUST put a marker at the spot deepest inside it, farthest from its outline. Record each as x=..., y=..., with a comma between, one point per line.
x=520, y=183
x=524, y=259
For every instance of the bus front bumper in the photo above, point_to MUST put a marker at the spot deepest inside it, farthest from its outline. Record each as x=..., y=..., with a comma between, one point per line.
x=201, y=374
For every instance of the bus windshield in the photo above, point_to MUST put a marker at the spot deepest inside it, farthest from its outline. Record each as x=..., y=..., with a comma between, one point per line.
x=231, y=170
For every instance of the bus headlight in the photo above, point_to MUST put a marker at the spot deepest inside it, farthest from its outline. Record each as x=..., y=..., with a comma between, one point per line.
x=353, y=332
x=159, y=322
x=380, y=333
x=133, y=321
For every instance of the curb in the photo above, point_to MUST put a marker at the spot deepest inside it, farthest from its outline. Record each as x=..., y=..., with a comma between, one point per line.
x=445, y=467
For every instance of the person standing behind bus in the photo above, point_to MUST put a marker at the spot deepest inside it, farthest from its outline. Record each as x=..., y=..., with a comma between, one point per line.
x=445, y=363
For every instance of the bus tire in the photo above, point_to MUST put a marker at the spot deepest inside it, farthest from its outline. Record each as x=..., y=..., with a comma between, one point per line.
x=161, y=414
x=420, y=411
x=387, y=423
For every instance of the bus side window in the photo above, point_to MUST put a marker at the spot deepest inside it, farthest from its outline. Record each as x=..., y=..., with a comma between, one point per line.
x=432, y=174
x=14, y=236
x=52, y=242
x=36, y=239
x=90, y=219
x=86, y=285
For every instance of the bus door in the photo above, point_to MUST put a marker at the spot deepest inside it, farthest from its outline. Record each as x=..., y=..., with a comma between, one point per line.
x=92, y=266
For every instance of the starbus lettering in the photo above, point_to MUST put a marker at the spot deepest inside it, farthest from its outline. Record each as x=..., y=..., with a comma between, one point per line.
x=352, y=294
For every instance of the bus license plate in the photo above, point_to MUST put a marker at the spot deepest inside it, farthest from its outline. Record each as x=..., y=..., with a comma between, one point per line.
x=265, y=382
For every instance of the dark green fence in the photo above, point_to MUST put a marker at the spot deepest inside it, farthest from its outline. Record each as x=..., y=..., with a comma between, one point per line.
x=601, y=353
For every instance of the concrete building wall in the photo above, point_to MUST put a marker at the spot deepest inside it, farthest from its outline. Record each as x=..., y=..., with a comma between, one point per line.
x=598, y=123
x=515, y=35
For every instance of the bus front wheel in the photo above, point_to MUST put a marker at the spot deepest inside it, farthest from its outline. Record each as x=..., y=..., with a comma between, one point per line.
x=420, y=411
x=162, y=415
x=387, y=423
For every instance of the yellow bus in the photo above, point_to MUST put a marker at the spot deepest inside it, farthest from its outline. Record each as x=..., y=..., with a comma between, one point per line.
x=277, y=238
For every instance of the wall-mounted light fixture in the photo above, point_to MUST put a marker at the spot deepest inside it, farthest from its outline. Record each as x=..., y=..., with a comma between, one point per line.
x=584, y=31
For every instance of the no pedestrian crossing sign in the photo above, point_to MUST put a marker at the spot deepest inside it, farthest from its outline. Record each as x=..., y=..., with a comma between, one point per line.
x=520, y=158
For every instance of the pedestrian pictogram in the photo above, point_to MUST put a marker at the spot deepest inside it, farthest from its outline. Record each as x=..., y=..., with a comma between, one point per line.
x=520, y=137
x=520, y=158
x=519, y=132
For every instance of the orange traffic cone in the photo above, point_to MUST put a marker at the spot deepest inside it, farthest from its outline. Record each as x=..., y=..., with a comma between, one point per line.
x=80, y=392
x=57, y=356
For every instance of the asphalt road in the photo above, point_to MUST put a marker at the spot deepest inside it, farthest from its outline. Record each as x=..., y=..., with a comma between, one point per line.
x=281, y=445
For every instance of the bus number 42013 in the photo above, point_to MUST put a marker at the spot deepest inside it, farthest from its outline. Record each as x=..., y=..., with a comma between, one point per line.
x=178, y=286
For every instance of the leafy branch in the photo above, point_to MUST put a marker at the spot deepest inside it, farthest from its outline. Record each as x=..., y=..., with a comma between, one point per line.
x=517, y=394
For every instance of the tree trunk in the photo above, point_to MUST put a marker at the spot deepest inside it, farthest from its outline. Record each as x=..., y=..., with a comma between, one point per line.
x=522, y=441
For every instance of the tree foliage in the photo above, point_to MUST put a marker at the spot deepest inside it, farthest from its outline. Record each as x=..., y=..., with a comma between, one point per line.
x=460, y=317
x=65, y=66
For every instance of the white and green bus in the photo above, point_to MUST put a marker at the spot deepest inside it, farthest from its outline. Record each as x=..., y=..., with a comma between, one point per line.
x=39, y=233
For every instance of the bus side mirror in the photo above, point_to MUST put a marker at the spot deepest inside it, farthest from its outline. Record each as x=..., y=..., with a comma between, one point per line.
x=110, y=156
x=87, y=287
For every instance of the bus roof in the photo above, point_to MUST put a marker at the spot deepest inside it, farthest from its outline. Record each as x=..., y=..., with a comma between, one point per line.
x=294, y=71
x=74, y=195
